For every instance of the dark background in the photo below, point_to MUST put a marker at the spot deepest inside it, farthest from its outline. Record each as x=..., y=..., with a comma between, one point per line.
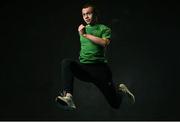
x=36, y=35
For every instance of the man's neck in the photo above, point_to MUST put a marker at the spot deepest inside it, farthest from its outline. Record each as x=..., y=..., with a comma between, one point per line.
x=92, y=24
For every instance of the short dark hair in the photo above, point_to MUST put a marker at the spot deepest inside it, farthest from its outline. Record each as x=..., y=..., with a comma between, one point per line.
x=93, y=5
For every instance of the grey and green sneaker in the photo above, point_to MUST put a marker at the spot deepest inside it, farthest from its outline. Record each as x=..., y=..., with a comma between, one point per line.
x=124, y=89
x=65, y=101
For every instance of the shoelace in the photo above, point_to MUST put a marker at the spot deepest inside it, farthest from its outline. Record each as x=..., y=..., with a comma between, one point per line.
x=124, y=90
x=63, y=93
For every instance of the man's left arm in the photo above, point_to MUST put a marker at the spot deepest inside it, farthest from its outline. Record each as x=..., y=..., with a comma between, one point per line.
x=101, y=41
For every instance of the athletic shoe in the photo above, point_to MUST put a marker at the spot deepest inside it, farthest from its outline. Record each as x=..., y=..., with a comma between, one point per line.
x=124, y=89
x=65, y=101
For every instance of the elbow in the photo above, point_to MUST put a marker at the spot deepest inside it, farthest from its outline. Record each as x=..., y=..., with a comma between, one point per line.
x=105, y=42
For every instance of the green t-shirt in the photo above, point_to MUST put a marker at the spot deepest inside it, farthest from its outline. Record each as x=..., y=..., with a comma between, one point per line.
x=91, y=52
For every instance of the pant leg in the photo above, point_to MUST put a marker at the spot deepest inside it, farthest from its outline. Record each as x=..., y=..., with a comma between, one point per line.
x=103, y=80
x=113, y=98
x=66, y=75
x=71, y=69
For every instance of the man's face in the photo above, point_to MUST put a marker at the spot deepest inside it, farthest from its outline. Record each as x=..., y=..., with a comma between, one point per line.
x=87, y=14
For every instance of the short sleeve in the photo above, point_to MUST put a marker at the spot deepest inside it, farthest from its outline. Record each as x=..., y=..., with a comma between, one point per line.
x=106, y=33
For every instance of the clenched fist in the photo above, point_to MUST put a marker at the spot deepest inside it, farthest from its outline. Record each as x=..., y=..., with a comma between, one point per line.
x=81, y=29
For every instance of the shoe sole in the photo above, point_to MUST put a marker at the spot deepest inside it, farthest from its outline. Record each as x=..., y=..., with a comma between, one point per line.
x=131, y=96
x=63, y=105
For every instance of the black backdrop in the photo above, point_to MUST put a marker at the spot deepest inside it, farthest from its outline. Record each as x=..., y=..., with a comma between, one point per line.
x=37, y=35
